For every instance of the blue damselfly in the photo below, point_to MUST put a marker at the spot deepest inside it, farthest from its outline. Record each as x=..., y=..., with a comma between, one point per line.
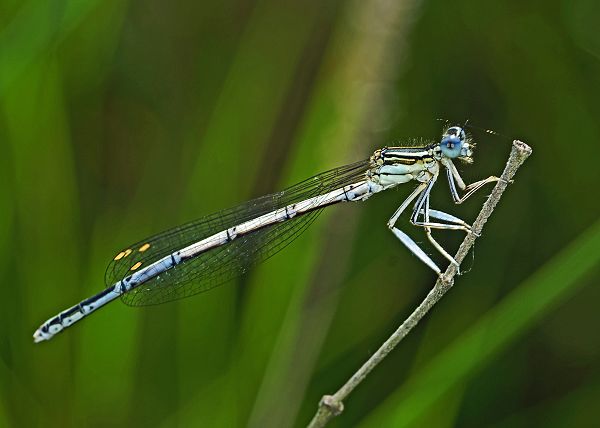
x=205, y=253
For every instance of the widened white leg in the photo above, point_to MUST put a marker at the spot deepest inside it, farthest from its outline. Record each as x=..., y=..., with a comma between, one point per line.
x=427, y=225
x=456, y=223
x=449, y=218
x=403, y=237
x=415, y=249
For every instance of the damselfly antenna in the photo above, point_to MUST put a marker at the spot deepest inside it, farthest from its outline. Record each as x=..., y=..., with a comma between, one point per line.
x=468, y=125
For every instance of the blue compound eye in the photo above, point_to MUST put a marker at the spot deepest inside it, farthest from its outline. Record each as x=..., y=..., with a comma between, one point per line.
x=452, y=142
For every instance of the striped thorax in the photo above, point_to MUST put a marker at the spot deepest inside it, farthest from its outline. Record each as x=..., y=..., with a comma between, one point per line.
x=397, y=165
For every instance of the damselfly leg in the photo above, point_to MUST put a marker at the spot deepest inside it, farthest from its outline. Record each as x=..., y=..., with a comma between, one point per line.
x=422, y=213
x=428, y=225
x=455, y=179
x=403, y=237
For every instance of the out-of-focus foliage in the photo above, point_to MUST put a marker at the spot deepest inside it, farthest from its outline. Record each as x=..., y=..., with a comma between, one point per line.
x=119, y=119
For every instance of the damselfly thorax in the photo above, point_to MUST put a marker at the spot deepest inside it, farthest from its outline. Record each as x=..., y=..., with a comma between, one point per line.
x=210, y=251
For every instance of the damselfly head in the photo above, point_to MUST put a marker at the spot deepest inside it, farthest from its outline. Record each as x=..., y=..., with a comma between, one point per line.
x=455, y=144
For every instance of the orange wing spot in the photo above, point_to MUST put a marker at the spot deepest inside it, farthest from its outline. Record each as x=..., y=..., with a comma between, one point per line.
x=120, y=255
x=135, y=266
x=144, y=248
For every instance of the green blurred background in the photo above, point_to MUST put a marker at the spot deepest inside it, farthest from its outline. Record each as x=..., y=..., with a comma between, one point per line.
x=120, y=119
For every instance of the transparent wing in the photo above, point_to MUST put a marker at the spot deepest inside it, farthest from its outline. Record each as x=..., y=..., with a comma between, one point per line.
x=219, y=265
x=230, y=260
x=158, y=246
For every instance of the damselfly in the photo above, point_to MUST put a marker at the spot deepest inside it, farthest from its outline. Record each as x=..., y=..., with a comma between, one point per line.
x=205, y=253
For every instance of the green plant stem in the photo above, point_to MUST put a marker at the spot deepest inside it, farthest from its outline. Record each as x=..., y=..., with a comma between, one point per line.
x=332, y=405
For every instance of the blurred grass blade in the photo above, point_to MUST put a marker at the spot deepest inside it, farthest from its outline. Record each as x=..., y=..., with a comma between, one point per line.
x=574, y=409
x=515, y=315
x=348, y=94
x=47, y=218
x=245, y=114
x=20, y=46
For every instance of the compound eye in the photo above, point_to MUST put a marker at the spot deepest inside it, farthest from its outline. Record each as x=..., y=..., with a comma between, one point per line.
x=451, y=146
x=452, y=141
